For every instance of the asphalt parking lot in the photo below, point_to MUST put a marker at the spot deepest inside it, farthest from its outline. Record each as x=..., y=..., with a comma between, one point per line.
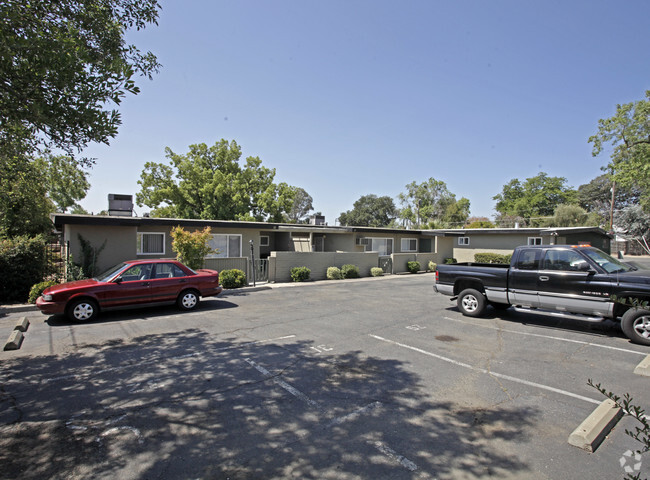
x=377, y=378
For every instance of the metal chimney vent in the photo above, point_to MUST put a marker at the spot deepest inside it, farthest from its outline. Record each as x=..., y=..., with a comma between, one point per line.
x=120, y=205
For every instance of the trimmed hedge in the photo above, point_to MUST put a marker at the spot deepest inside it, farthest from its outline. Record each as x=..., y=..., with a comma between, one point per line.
x=376, y=272
x=413, y=267
x=233, y=278
x=350, y=271
x=37, y=290
x=449, y=261
x=334, y=273
x=22, y=263
x=433, y=266
x=492, y=258
x=300, y=274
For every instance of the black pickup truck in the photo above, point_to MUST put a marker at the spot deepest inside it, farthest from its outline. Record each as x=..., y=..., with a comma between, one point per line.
x=571, y=279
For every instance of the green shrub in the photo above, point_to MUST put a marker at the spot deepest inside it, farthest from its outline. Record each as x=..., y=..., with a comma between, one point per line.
x=334, y=273
x=22, y=263
x=432, y=266
x=300, y=274
x=37, y=290
x=376, y=272
x=492, y=258
x=350, y=271
x=413, y=267
x=449, y=261
x=233, y=278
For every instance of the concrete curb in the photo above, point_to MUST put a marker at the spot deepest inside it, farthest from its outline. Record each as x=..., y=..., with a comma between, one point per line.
x=9, y=309
x=643, y=368
x=15, y=340
x=591, y=433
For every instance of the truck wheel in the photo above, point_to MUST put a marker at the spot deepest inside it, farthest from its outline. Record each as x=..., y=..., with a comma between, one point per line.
x=636, y=326
x=471, y=302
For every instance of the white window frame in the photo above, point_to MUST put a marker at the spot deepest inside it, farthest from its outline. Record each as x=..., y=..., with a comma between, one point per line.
x=535, y=241
x=371, y=244
x=227, y=253
x=140, y=243
x=407, y=242
x=464, y=241
x=264, y=240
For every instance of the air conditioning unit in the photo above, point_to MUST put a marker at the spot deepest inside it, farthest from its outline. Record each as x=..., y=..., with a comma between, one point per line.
x=120, y=205
x=363, y=241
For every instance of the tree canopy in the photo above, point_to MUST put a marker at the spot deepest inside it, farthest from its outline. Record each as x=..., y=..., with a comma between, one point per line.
x=431, y=204
x=537, y=196
x=209, y=183
x=628, y=135
x=370, y=211
x=302, y=205
x=62, y=64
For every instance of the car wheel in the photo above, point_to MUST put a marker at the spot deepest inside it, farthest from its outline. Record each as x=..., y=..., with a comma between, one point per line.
x=188, y=300
x=471, y=302
x=636, y=325
x=83, y=310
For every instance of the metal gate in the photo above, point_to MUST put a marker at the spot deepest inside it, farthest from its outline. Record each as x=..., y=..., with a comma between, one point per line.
x=386, y=263
x=261, y=270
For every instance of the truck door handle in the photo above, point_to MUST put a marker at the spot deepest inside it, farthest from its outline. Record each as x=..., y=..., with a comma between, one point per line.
x=543, y=278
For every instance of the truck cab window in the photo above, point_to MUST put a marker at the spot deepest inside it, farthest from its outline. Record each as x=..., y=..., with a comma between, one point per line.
x=529, y=259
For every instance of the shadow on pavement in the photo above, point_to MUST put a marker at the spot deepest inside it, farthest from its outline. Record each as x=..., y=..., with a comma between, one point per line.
x=187, y=405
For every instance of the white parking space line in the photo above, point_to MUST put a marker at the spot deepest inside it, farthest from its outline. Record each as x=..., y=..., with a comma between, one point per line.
x=292, y=390
x=488, y=372
x=546, y=336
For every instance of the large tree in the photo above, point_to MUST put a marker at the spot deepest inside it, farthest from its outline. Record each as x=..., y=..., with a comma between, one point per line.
x=431, y=203
x=209, y=183
x=596, y=196
x=62, y=65
x=536, y=197
x=370, y=211
x=302, y=205
x=628, y=135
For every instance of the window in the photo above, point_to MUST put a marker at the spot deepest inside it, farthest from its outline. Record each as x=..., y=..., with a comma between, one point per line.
x=565, y=260
x=151, y=244
x=529, y=259
x=169, y=270
x=226, y=246
x=264, y=240
x=409, y=245
x=137, y=272
x=383, y=246
x=463, y=240
x=534, y=240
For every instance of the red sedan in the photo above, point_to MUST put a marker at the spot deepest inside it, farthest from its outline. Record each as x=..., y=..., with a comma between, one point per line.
x=133, y=283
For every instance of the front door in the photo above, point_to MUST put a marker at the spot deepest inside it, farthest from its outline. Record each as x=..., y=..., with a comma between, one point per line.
x=132, y=287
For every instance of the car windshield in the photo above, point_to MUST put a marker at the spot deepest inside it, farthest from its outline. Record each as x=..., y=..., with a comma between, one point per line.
x=110, y=273
x=607, y=262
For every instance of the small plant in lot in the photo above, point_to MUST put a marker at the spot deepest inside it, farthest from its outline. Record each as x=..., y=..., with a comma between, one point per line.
x=334, y=273
x=413, y=267
x=376, y=272
x=432, y=266
x=449, y=261
x=350, y=271
x=233, y=278
x=300, y=274
x=37, y=290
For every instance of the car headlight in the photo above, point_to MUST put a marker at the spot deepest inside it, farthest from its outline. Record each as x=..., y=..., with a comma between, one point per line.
x=48, y=297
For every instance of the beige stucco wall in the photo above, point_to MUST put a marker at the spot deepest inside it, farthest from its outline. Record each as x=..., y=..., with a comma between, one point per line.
x=281, y=263
x=120, y=243
x=491, y=243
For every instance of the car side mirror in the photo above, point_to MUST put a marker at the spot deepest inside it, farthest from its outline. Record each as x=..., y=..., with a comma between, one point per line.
x=118, y=280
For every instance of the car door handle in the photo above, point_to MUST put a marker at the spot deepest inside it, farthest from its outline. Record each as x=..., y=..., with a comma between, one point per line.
x=543, y=278
x=182, y=281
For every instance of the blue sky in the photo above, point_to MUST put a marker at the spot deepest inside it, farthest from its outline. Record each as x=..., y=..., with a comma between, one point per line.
x=354, y=97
